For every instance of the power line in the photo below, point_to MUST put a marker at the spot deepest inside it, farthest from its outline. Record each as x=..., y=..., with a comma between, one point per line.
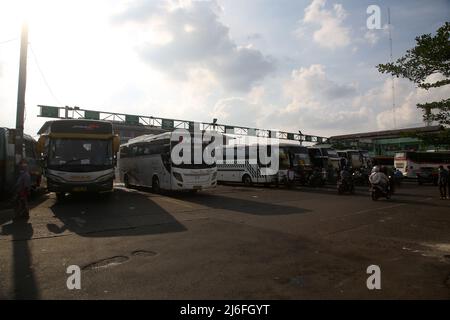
x=43, y=76
x=10, y=40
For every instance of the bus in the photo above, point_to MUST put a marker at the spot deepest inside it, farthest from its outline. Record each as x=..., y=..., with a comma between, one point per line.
x=7, y=160
x=78, y=155
x=413, y=163
x=246, y=167
x=295, y=164
x=146, y=161
x=356, y=159
x=384, y=161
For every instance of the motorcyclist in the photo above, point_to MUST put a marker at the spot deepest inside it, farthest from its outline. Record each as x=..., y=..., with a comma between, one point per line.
x=377, y=177
x=345, y=174
x=345, y=178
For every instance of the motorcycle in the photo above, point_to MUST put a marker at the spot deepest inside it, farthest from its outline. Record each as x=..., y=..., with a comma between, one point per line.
x=360, y=177
x=345, y=185
x=377, y=191
x=316, y=179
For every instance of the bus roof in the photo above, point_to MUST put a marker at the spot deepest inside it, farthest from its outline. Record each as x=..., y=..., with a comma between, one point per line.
x=148, y=137
x=78, y=126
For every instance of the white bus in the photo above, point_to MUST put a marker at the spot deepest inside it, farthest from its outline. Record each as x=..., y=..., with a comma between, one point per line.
x=246, y=167
x=146, y=161
x=235, y=164
x=413, y=163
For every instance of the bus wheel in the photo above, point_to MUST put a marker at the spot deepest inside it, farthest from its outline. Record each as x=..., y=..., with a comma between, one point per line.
x=60, y=196
x=247, y=180
x=155, y=185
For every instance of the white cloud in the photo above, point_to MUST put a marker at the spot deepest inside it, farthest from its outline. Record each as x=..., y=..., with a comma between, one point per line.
x=237, y=111
x=371, y=37
x=317, y=104
x=406, y=112
x=195, y=38
x=331, y=33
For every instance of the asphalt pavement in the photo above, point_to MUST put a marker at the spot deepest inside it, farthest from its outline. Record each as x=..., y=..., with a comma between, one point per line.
x=233, y=242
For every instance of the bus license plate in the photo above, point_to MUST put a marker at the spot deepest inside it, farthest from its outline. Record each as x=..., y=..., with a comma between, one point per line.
x=79, y=189
x=197, y=187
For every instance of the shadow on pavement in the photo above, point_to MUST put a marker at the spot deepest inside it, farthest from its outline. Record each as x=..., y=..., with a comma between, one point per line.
x=240, y=205
x=8, y=205
x=122, y=213
x=25, y=286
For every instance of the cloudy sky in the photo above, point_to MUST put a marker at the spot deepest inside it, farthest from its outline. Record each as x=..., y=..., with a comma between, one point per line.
x=279, y=64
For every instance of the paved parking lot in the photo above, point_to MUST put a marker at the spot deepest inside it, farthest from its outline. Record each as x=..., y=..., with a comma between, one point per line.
x=233, y=242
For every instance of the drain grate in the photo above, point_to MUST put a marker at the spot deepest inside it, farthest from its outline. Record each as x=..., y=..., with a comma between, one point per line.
x=106, y=263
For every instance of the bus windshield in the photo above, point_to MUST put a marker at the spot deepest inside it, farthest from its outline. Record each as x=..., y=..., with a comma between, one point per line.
x=300, y=156
x=69, y=153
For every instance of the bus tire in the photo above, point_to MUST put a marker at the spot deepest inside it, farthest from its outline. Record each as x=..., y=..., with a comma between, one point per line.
x=156, y=188
x=247, y=180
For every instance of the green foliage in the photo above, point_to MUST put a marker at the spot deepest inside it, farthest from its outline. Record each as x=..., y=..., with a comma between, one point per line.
x=431, y=55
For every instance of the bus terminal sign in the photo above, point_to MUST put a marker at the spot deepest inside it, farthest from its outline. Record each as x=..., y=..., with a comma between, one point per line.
x=49, y=112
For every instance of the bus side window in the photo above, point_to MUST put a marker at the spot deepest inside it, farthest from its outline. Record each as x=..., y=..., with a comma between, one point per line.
x=134, y=150
x=146, y=149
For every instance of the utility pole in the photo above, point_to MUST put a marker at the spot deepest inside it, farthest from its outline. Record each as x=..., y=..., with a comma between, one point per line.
x=21, y=93
x=392, y=76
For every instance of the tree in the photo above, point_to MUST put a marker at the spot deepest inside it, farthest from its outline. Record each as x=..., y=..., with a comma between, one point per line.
x=431, y=55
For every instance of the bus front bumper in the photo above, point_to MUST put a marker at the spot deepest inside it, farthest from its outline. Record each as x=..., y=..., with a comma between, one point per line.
x=55, y=186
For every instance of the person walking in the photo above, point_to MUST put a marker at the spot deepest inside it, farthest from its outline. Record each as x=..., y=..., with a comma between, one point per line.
x=22, y=190
x=443, y=181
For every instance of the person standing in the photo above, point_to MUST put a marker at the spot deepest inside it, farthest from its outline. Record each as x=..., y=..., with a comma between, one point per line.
x=443, y=181
x=22, y=189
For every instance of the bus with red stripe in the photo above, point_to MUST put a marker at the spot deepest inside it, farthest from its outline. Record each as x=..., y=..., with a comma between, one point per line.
x=413, y=163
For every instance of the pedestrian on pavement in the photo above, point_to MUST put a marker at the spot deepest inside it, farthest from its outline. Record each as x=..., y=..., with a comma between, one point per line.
x=443, y=182
x=22, y=191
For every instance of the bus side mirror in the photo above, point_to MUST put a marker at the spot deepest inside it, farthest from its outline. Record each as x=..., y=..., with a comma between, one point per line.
x=116, y=143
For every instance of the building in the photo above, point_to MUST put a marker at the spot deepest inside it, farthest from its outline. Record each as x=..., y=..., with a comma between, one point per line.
x=387, y=142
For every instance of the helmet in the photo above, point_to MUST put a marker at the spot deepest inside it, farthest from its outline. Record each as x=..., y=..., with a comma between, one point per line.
x=375, y=169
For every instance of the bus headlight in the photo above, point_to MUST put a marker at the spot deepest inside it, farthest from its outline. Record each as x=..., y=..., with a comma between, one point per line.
x=178, y=176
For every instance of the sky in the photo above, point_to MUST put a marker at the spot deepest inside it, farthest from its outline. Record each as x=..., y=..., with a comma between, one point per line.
x=290, y=65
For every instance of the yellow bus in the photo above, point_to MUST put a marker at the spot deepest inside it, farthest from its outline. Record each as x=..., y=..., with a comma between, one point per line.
x=78, y=155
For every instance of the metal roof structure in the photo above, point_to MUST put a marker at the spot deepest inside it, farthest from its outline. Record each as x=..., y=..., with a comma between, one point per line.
x=167, y=124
